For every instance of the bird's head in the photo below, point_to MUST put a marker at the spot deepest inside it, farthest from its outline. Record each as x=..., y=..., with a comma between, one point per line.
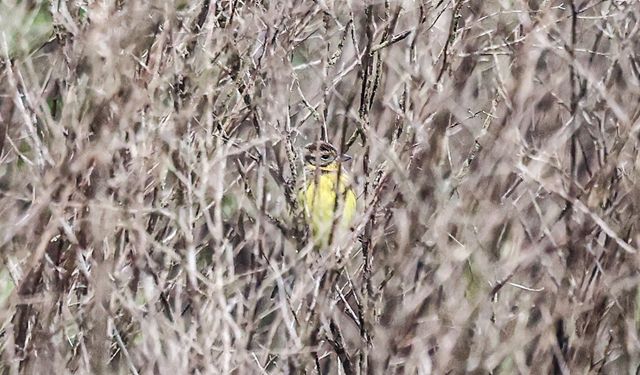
x=323, y=155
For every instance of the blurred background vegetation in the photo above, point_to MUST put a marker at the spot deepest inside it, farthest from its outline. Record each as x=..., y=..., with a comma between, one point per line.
x=150, y=157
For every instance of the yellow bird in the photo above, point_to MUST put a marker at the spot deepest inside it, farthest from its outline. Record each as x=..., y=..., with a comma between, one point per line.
x=327, y=193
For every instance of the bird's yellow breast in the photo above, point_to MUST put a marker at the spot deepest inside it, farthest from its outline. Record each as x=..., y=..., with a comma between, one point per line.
x=321, y=203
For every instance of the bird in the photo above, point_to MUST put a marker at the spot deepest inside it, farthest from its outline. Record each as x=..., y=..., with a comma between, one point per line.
x=327, y=193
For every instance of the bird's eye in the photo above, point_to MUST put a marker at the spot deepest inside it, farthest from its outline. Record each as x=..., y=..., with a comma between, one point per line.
x=325, y=157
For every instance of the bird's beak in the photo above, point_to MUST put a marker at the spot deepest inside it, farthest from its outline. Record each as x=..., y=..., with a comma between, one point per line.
x=345, y=157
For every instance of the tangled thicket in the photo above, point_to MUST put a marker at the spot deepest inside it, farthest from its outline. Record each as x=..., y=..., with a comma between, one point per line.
x=150, y=158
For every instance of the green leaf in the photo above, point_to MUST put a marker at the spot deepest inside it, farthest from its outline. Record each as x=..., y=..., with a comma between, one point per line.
x=229, y=206
x=6, y=286
x=24, y=30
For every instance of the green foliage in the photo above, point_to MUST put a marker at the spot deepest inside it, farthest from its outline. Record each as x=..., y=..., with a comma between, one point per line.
x=24, y=28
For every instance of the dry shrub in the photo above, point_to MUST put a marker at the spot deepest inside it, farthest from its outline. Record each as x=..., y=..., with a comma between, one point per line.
x=150, y=157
